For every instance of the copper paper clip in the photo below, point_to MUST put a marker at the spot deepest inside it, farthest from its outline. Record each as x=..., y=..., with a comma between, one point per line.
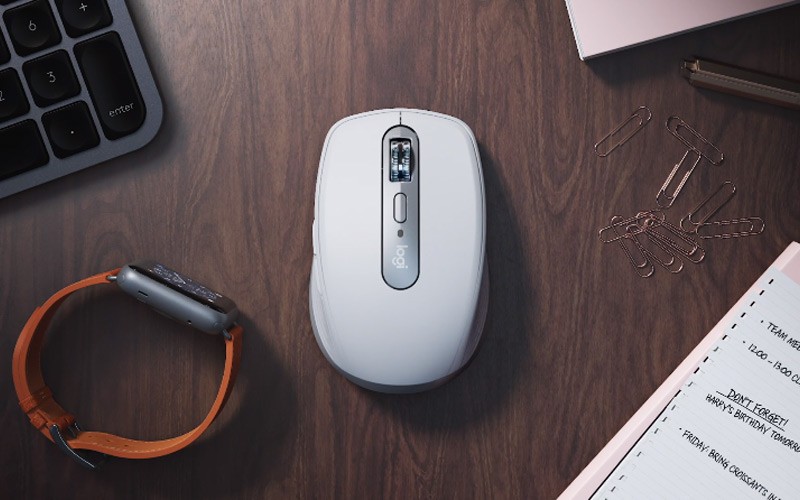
x=678, y=241
x=720, y=197
x=633, y=124
x=640, y=262
x=734, y=228
x=639, y=223
x=665, y=200
x=694, y=141
x=658, y=252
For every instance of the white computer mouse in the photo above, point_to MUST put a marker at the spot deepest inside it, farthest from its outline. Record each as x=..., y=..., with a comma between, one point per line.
x=399, y=282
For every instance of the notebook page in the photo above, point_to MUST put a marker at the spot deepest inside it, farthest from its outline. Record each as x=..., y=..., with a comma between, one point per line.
x=733, y=430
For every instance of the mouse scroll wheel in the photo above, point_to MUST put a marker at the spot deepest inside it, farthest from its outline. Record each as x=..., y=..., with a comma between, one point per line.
x=400, y=154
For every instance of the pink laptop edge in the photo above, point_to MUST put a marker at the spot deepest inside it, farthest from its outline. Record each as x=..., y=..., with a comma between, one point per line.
x=585, y=54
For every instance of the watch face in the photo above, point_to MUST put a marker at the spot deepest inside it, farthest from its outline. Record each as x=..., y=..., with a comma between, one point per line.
x=185, y=285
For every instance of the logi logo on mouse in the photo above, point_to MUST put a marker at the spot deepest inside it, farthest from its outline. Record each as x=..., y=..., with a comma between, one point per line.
x=399, y=259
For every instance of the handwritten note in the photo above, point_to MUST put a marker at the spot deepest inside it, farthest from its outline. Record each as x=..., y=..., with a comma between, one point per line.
x=733, y=430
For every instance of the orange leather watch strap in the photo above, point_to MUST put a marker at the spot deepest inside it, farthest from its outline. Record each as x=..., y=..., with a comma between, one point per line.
x=36, y=399
x=34, y=396
x=110, y=444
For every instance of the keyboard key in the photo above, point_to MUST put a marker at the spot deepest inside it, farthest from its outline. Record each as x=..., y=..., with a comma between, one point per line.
x=5, y=55
x=83, y=16
x=70, y=129
x=111, y=83
x=32, y=27
x=21, y=149
x=12, y=98
x=51, y=78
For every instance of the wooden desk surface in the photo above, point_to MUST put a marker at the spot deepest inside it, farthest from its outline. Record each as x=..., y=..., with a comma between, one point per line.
x=574, y=341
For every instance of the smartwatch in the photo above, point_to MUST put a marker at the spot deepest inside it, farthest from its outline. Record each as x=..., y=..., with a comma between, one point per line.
x=169, y=293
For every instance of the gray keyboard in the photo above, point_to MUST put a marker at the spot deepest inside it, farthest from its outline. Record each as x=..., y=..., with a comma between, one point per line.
x=75, y=89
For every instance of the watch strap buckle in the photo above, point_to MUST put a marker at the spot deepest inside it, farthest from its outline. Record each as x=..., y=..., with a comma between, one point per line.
x=58, y=439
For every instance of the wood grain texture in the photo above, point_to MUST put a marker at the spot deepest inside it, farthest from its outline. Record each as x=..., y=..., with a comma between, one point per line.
x=574, y=341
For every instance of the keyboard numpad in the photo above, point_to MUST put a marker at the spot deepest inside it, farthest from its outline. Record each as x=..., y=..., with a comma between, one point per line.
x=70, y=75
x=13, y=102
x=70, y=129
x=51, y=78
x=83, y=16
x=32, y=27
x=21, y=149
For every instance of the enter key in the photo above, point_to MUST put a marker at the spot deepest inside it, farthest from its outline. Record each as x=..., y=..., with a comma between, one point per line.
x=111, y=83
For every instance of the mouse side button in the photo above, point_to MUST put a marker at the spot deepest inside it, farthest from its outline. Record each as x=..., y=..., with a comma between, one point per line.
x=314, y=237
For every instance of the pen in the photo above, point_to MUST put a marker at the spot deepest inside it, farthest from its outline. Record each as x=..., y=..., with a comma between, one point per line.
x=742, y=82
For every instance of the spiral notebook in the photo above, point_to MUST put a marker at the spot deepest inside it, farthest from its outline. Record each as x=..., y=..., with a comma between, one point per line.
x=726, y=423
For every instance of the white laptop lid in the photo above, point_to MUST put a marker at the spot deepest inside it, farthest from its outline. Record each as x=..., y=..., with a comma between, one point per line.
x=603, y=26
